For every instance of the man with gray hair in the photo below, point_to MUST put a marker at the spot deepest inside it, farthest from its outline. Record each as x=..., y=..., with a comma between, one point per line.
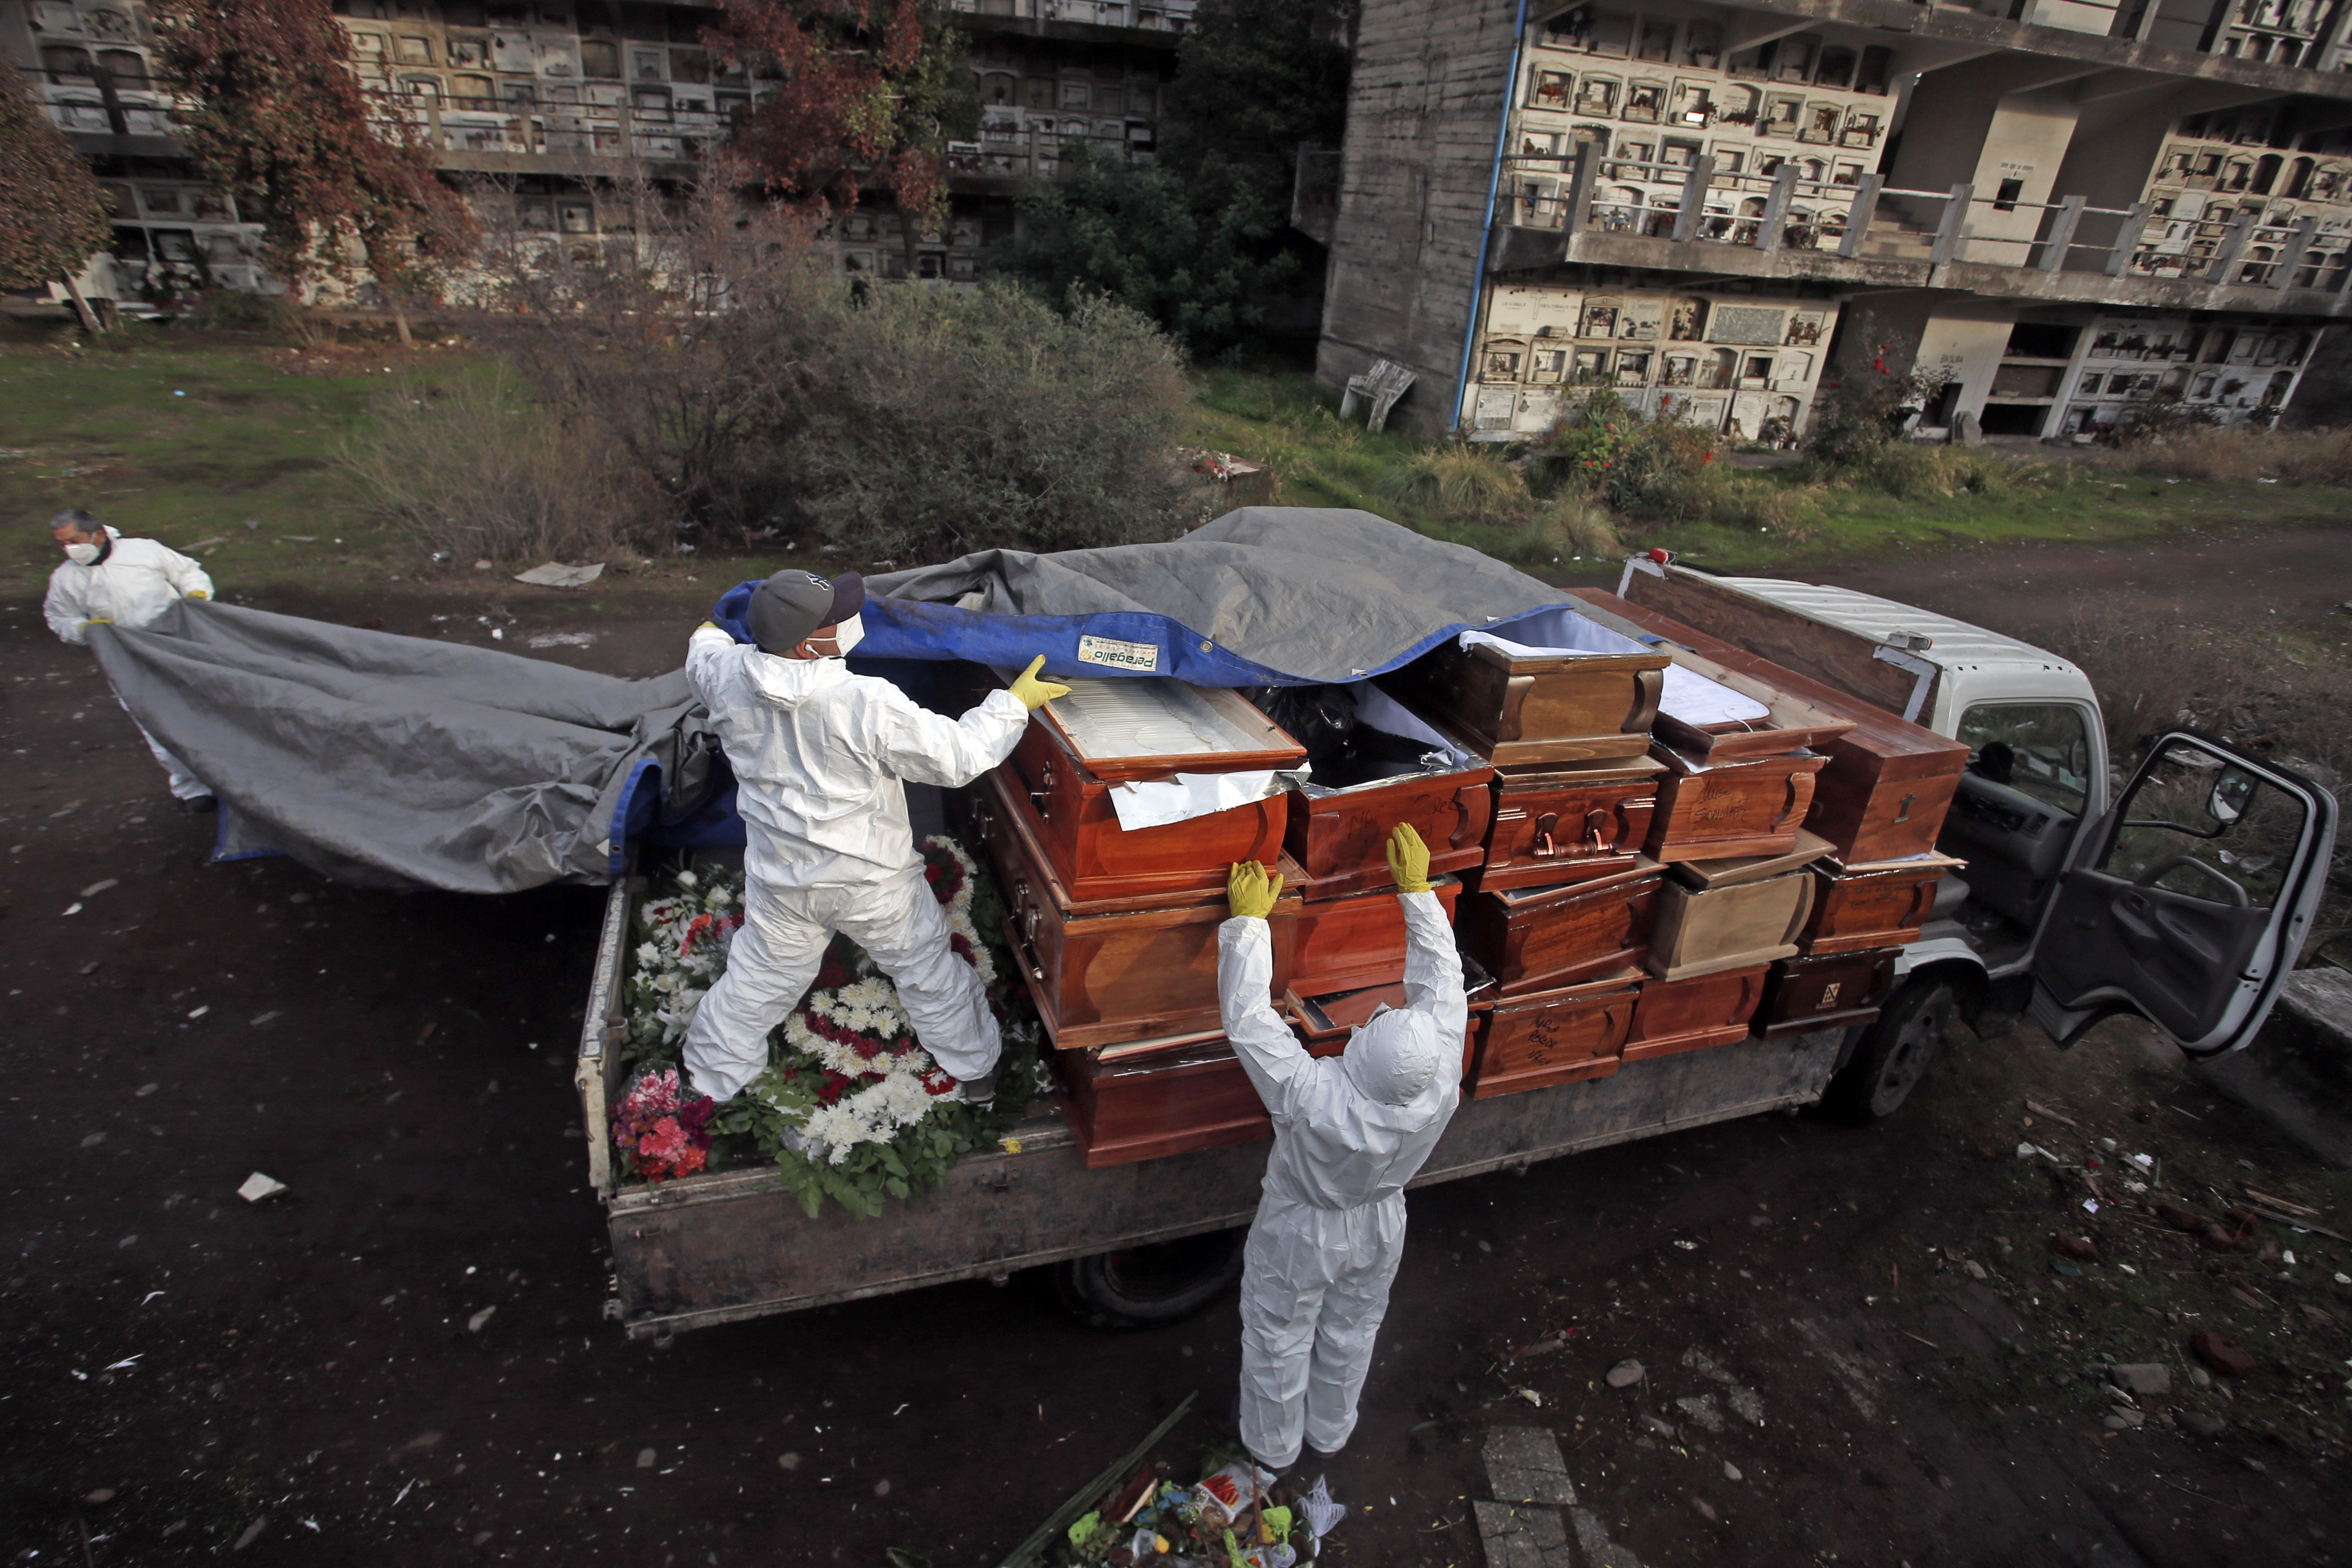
x=109, y=580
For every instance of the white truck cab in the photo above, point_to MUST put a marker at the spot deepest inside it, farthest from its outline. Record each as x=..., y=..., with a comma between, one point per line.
x=2185, y=898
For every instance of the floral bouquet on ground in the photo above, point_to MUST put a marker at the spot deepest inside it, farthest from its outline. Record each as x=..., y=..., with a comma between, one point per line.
x=851, y=1106
x=660, y=1131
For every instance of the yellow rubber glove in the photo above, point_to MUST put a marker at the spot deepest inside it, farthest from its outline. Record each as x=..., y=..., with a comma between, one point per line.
x=710, y=626
x=1250, y=893
x=1408, y=860
x=198, y=593
x=99, y=621
x=1034, y=692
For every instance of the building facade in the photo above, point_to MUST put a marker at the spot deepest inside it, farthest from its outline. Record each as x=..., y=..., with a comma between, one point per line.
x=536, y=106
x=2057, y=210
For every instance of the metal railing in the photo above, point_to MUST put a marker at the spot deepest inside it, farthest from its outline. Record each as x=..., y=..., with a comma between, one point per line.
x=1862, y=218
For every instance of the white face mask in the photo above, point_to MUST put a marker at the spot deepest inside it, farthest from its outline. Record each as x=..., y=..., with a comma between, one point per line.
x=83, y=555
x=848, y=635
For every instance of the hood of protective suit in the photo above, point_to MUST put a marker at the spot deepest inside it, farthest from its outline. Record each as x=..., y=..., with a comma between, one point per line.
x=787, y=682
x=1390, y=1061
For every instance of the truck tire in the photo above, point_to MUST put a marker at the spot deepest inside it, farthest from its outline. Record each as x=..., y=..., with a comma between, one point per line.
x=1150, y=1287
x=1894, y=1054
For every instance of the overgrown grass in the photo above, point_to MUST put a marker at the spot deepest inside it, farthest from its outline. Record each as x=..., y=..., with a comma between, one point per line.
x=2240, y=454
x=185, y=439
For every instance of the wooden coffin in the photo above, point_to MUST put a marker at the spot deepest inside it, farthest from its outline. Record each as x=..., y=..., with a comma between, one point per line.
x=1153, y=726
x=1541, y=938
x=1564, y=707
x=1341, y=837
x=1069, y=811
x=1344, y=944
x=1688, y=1014
x=1699, y=930
x=1553, y=1037
x=1835, y=991
x=1108, y=971
x=1883, y=905
x=1888, y=782
x=1145, y=1105
x=1713, y=811
x=1570, y=825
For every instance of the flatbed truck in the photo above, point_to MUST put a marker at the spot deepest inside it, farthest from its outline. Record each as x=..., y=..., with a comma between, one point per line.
x=2183, y=896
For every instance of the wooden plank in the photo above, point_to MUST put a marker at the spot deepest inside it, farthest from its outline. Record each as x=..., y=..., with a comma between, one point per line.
x=1734, y=621
x=720, y=1249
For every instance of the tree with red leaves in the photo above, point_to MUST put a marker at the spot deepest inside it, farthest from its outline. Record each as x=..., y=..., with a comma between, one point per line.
x=856, y=93
x=52, y=214
x=275, y=117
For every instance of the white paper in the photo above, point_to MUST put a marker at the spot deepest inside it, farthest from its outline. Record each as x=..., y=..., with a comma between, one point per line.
x=257, y=1187
x=1155, y=803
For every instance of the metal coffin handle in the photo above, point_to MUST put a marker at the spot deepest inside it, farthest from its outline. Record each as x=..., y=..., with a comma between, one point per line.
x=1043, y=788
x=1023, y=932
x=1545, y=847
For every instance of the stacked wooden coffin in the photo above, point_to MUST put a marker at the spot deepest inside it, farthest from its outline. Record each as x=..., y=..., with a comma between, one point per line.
x=1649, y=843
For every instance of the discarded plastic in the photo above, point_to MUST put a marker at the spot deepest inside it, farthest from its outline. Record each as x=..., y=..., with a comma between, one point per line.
x=258, y=1187
x=1322, y=1514
x=554, y=574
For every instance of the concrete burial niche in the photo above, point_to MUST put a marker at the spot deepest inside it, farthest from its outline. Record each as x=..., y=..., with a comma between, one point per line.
x=2298, y=1071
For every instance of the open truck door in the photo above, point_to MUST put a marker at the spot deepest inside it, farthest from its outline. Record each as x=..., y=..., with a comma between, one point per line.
x=2187, y=903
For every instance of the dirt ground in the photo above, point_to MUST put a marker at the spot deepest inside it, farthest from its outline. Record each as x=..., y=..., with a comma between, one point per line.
x=404, y=1359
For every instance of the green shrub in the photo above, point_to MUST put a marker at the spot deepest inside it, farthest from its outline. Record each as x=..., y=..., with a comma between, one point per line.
x=940, y=421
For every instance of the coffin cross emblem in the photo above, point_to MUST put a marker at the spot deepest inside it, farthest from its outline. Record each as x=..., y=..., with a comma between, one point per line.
x=1904, y=814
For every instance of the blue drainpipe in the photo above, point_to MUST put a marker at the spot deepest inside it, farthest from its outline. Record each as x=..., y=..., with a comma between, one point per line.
x=1487, y=234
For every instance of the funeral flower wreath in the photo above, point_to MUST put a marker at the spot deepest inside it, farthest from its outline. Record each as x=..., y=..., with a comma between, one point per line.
x=851, y=1106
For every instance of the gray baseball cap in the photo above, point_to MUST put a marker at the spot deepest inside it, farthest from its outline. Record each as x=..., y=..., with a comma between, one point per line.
x=790, y=605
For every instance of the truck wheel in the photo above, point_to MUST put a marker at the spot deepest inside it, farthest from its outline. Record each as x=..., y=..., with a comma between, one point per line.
x=1894, y=1055
x=1150, y=1287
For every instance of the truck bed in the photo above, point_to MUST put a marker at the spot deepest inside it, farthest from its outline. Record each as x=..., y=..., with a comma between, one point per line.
x=734, y=1244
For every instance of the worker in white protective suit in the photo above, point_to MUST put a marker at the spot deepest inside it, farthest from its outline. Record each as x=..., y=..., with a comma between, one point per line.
x=1350, y=1130
x=107, y=579
x=819, y=754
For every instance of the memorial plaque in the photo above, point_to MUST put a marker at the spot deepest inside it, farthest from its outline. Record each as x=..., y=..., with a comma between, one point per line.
x=1745, y=324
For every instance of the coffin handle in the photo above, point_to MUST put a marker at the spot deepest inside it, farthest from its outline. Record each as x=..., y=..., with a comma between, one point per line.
x=1044, y=787
x=1469, y=825
x=1803, y=912
x=1596, y=831
x=1546, y=846
x=1023, y=932
x=1923, y=899
x=1633, y=922
x=1796, y=803
x=1649, y=687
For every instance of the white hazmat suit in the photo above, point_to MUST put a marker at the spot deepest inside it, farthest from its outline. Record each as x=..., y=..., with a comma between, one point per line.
x=819, y=754
x=1349, y=1132
x=137, y=582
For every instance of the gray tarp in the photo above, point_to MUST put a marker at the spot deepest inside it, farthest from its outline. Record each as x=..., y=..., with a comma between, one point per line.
x=1306, y=594
x=398, y=760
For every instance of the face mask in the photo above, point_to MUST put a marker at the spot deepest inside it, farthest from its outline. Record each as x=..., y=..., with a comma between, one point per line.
x=848, y=635
x=84, y=555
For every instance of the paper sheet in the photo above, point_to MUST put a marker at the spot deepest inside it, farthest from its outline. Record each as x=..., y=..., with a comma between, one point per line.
x=1155, y=803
